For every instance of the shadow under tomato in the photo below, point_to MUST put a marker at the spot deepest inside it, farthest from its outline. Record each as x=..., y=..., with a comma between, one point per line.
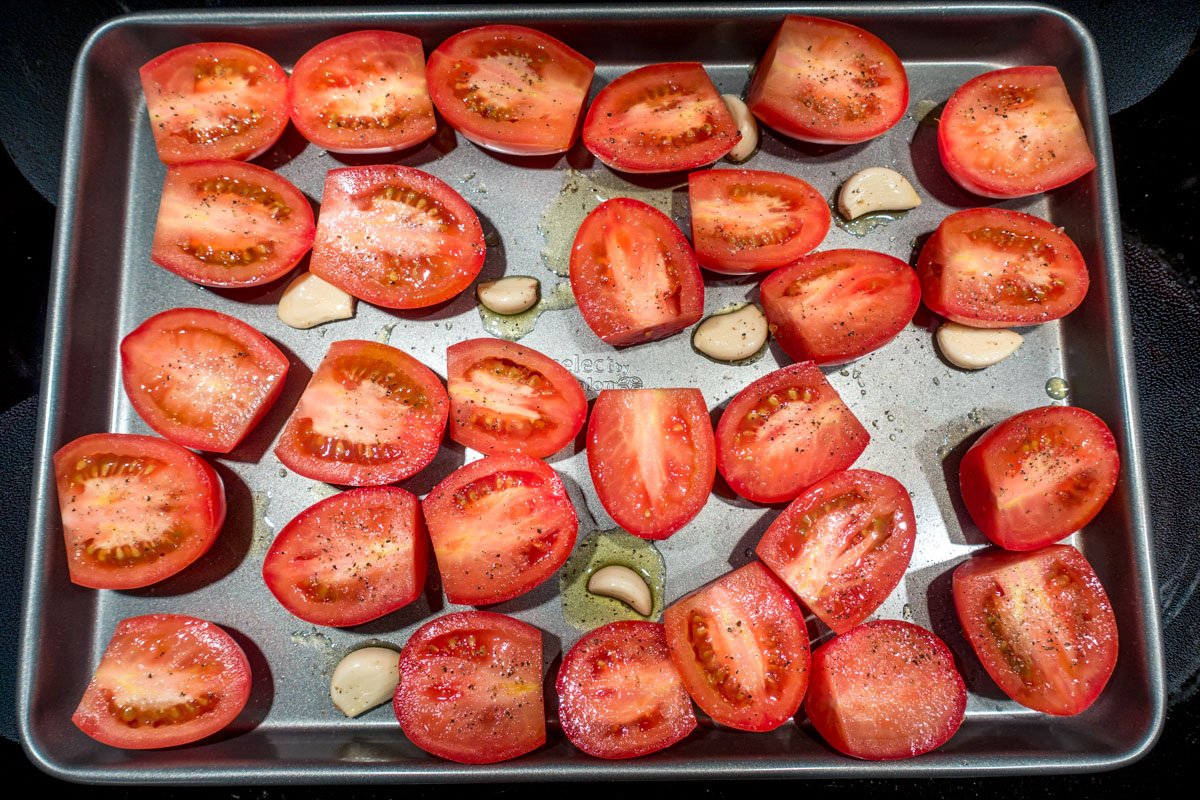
x=808, y=153
x=252, y=449
x=291, y=144
x=439, y=144
x=262, y=688
x=939, y=460
x=742, y=552
x=928, y=169
x=263, y=294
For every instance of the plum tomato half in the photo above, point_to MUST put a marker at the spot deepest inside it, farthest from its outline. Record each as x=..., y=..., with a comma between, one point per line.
x=1039, y=476
x=135, y=509
x=843, y=545
x=741, y=646
x=471, y=688
x=371, y=415
x=1041, y=624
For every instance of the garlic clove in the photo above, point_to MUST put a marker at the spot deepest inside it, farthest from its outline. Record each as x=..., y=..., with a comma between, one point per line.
x=365, y=678
x=309, y=301
x=876, y=189
x=622, y=583
x=733, y=336
x=976, y=348
x=510, y=295
x=747, y=126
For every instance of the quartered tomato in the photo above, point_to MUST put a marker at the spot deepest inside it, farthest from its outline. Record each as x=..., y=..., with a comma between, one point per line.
x=500, y=526
x=619, y=694
x=371, y=415
x=652, y=457
x=885, y=690
x=838, y=305
x=1013, y=132
x=843, y=545
x=634, y=274
x=362, y=92
x=471, y=688
x=164, y=680
x=214, y=100
x=746, y=220
x=510, y=89
x=995, y=268
x=828, y=82
x=742, y=648
x=1041, y=624
x=350, y=558
x=784, y=432
x=135, y=509
x=660, y=118
x=225, y=223
x=505, y=398
x=201, y=378
x=396, y=236
x=1039, y=476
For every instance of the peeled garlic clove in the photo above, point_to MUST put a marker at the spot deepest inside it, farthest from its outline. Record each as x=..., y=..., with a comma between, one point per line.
x=734, y=336
x=976, y=348
x=309, y=301
x=364, y=679
x=876, y=189
x=510, y=295
x=747, y=126
x=622, y=583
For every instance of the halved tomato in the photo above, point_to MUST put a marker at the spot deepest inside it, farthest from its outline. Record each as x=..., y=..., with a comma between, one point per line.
x=885, y=690
x=742, y=648
x=362, y=92
x=746, y=220
x=471, y=688
x=619, y=693
x=828, y=82
x=500, y=526
x=1013, y=132
x=396, y=236
x=505, y=398
x=843, y=545
x=1041, y=624
x=784, y=432
x=350, y=558
x=225, y=223
x=135, y=509
x=1039, y=476
x=201, y=378
x=214, y=100
x=634, y=274
x=995, y=268
x=652, y=457
x=660, y=118
x=510, y=89
x=371, y=415
x=164, y=680
x=838, y=305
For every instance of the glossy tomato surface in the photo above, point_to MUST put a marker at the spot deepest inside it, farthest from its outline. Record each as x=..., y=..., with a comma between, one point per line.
x=396, y=236
x=634, y=274
x=885, y=690
x=843, y=545
x=507, y=398
x=500, y=526
x=1041, y=624
x=741, y=646
x=995, y=268
x=201, y=378
x=784, y=432
x=164, y=680
x=362, y=92
x=510, y=89
x=838, y=305
x=371, y=415
x=471, y=688
x=350, y=558
x=1039, y=476
x=135, y=509
x=828, y=82
x=229, y=224
x=1013, y=132
x=214, y=100
x=660, y=118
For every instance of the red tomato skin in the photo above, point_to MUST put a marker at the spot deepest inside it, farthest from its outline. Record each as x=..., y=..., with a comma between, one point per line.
x=139, y=347
x=318, y=530
x=145, y=635
x=207, y=497
x=954, y=150
x=999, y=451
x=804, y=330
x=585, y=709
x=864, y=670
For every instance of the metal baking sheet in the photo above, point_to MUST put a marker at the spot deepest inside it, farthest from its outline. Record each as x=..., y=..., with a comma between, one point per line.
x=918, y=409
